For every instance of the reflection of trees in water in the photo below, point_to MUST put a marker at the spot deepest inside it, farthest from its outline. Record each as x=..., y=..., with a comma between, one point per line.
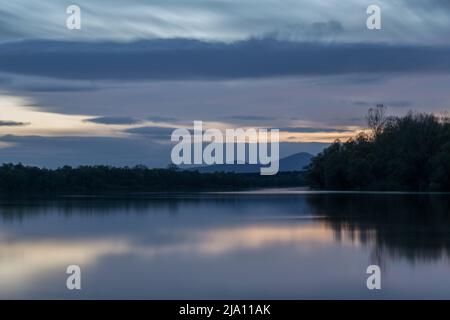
x=411, y=226
x=144, y=203
x=20, y=208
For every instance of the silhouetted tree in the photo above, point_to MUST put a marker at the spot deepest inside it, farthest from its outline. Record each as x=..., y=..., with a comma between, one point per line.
x=376, y=119
x=403, y=153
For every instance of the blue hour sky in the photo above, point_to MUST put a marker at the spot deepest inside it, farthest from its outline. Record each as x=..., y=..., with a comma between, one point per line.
x=113, y=91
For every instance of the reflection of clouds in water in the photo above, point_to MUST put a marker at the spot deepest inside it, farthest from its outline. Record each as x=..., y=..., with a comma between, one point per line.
x=253, y=237
x=288, y=244
x=225, y=240
x=5, y=144
x=23, y=261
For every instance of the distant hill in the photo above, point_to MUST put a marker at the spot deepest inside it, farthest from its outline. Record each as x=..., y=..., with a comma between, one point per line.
x=295, y=162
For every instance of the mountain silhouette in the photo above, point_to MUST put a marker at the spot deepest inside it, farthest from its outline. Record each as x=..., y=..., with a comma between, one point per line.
x=295, y=162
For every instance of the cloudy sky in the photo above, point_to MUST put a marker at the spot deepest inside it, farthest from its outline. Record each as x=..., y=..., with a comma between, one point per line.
x=113, y=91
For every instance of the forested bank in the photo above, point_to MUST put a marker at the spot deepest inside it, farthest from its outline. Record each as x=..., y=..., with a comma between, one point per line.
x=19, y=179
x=410, y=153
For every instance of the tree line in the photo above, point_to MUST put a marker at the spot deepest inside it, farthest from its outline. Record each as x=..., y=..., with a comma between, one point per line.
x=410, y=153
x=18, y=179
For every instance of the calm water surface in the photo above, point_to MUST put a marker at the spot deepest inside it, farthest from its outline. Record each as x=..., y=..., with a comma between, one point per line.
x=273, y=244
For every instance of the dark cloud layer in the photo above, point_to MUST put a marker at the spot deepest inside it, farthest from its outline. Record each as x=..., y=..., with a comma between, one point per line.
x=190, y=59
x=153, y=132
x=313, y=31
x=114, y=120
x=11, y=123
x=162, y=119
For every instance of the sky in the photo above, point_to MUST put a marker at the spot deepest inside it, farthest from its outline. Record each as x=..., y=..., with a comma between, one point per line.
x=112, y=92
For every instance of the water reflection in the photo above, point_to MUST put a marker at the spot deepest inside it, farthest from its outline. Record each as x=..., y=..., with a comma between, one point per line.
x=250, y=245
x=411, y=226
